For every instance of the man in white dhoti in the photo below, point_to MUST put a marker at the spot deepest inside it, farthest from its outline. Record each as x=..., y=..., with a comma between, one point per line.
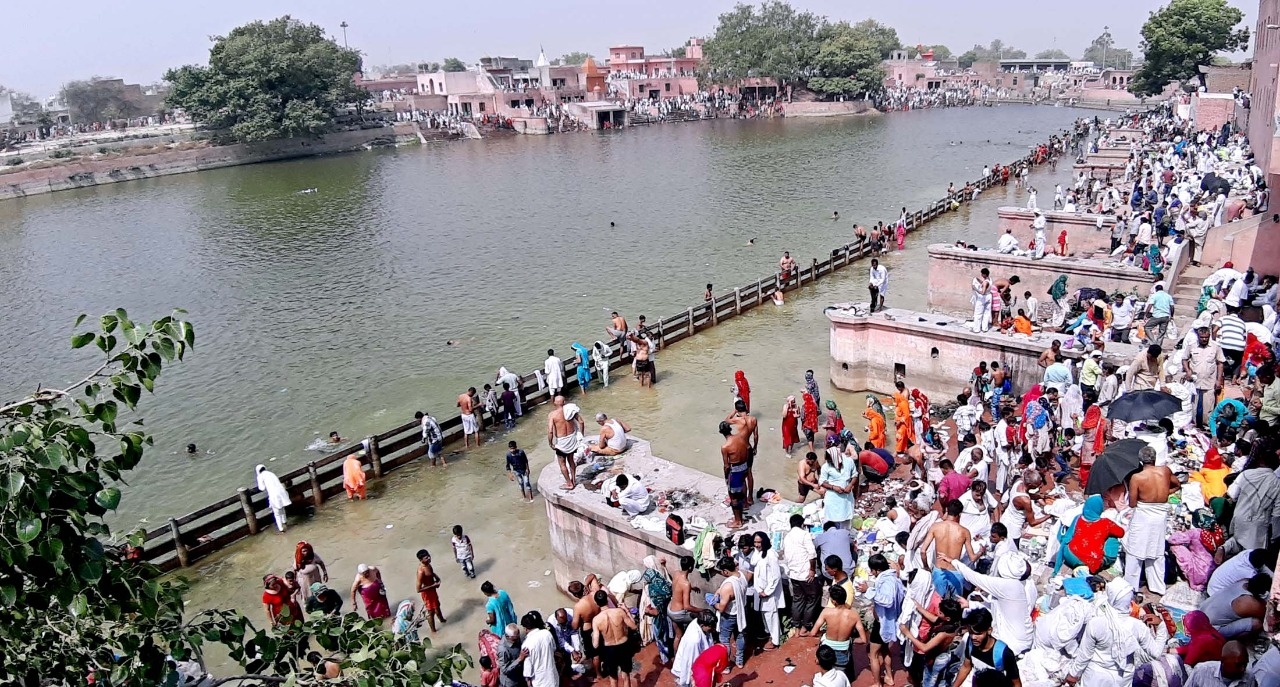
x=696, y=640
x=1039, y=225
x=1114, y=644
x=564, y=436
x=1144, y=539
x=277, y=495
x=553, y=370
x=980, y=296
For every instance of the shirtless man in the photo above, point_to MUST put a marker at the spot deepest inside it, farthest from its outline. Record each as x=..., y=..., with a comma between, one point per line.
x=807, y=476
x=736, y=454
x=843, y=628
x=470, y=425
x=1144, y=539
x=951, y=539
x=746, y=425
x=617, y=328
x=564, y=434
x=429, y=589
x=609, y=632
x=643, y=366
x=585, y=610
x=1050, y=354
x=680, y=610
x=787, y=268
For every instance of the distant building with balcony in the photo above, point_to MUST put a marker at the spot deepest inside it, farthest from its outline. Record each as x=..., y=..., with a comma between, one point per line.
x=633, y=74
x=924, y=72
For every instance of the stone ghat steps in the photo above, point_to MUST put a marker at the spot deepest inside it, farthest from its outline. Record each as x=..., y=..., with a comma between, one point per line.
x=1186, y=294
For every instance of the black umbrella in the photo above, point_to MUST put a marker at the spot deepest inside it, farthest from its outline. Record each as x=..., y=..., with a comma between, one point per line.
x=1147, y=404
x=1114, y=466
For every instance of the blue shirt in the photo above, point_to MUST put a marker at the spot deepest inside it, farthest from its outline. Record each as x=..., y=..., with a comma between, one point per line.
x=887, y=594
x=1161, y=304
x=518, y=462
x=504, y=612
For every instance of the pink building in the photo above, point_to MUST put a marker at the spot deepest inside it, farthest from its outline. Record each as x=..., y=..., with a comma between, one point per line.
x=1262, y=87
x=633, y=74
x=927, y=73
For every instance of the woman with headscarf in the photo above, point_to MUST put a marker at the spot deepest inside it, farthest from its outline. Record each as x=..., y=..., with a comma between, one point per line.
x=790, y=424
x=835, y=421
x=900, y=234
x=1212, y=475
x=1206, y=642
x=368, y=585
x=1194, y=548
x=875, y=422
x=938, y=651
x=1114, y=644
x=904, y=433
x=811, y=386
x=403, y=626
x=657, y=589
x=1091, y=540
x=836, y=477
x=282, y=607
x=310, y=568
x=919, y=413
x=1058, y=294
x=353, y=479
x=809, y=419
x=505, y=376
x=277, y=495
x=741, y=389
x=1094, y=426
x=1012, y=595
x=583, y=361
x=1155, y=260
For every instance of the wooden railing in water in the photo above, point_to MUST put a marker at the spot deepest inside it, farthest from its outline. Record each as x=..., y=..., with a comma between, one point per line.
x=197, y=534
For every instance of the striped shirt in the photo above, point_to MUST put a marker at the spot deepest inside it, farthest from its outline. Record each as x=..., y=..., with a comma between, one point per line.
x=1231, y=333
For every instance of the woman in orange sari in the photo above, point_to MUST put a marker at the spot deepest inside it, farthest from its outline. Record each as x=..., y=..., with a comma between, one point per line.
x=904, y=431
x=875, y=422
x=353, y=480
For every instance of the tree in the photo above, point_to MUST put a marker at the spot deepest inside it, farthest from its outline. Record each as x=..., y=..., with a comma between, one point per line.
x=1103, y=53
x=940, y=52
x=575, y=58
x=386, y=70
x=277, y=79
x=1052, y=54
x=453, y=64
x=994, y=52
x=429, y=66
x=1182, y=37
x=775, y=41
x=883, y=38
x=847, y=62
x=74, y=604
x=97, y=99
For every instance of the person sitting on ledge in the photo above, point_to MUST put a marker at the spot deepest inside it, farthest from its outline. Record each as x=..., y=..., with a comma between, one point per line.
x=630, y=495
x=1008, y=242
x=613, y=437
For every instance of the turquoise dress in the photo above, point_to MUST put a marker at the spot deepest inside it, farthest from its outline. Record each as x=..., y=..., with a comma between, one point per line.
x=838, y=507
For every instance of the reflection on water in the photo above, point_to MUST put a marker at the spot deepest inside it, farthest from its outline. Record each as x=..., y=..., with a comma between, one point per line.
x=330, y=310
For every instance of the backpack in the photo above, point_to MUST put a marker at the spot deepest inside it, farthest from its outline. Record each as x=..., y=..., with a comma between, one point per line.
x=675, y=529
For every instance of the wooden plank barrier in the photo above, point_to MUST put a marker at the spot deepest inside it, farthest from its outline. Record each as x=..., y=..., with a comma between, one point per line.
x=186, y=539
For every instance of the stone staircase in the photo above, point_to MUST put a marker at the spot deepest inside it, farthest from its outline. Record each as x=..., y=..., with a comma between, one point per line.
x=1186, y=294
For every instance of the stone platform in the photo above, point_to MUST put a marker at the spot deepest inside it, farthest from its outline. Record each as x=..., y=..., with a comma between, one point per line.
x=952, y=269
x=1083, y=236
x=936, y=353
x=589, y=536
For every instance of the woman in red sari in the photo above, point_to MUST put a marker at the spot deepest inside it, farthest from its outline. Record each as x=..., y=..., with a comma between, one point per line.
x=790, y=424
x=904, y=432
x=741, y=388
x=282, y=607
x=809, y=419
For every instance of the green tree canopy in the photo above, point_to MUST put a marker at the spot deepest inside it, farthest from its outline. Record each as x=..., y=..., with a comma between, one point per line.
x=940, y=52
x=97, y=99
x=994, y=52
x=1103, y=53
x=575, y=58
x=453, y=64
x=265, y=80
x=1183, y=36
x=883, y=38
x=75, y=604
x=1052, y=54
x=848, y=59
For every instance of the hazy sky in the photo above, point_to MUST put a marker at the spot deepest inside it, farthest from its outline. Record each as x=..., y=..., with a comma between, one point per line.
x=137, y=40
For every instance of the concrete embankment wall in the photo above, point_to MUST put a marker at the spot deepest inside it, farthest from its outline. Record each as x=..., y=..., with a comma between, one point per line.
x=80, y=174
x=951, y=271
x=827, y=109
x=1083, y=236
x=932, y=352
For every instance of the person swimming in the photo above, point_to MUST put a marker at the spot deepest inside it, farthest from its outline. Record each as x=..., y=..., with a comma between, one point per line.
x=307, y=190
x=334, y=438
x=835, y=216
x=611, y=224
x=751, y=242
x=191, y=449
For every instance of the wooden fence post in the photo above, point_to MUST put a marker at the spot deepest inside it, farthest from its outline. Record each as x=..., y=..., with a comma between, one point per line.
x=814, y=275
x=714, y=318
x=662, y=335
x=371, y=446
x=250, y=518
x=178, y=546
x=737, y=300
x=691, y=325
x=317, y=496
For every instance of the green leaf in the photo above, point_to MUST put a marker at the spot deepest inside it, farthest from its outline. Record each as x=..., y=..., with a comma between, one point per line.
x=109, y=323
x=14, y=481
x=83, y=339
x=29, y=529
x=8, y=596
x=79, y=605
x=91, y=571
x=166, y=348
x=108, y=498
x=79, y=320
